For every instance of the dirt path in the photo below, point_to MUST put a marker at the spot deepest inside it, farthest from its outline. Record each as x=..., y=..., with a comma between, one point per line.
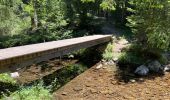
x=103, y=84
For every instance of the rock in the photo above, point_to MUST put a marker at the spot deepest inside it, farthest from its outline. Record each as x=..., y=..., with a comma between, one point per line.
x=93, y=91
x=132, y=80
x=103, y=91
x=103, y=60
x=99, y=66
x=110, y=62
x=15, y=75
x=78, y=88
x=115, y=59
x=88, y=85
x=142, y=70
x=64, y=93
x=141, y=80
x=167, y=68
x=113, y=82
x=86, y=93
x=123, y=41
x=71, y=56
x=155, y=66
x=113, y=37
x=105, y=63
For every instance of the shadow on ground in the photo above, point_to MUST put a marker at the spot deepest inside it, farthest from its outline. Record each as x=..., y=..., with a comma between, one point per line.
x=125, y=73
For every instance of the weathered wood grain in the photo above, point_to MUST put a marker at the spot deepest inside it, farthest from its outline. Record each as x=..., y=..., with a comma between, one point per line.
x=17, y=57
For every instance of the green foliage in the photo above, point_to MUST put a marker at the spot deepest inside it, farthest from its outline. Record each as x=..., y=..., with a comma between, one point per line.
x=17, y=22
x=31, y=93
x=10, y=20
x=108, y=56
x=150, y=21
x=6, y=78
x=108, y=53
x=137, y=55
x=130, y=58
x=76, y=69
x=87, y=1
x=108, y=5
x=133, y=54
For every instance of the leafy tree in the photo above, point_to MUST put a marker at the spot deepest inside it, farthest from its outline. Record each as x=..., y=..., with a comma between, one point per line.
x=108, y=5
x=151, y=21
x=9, y=17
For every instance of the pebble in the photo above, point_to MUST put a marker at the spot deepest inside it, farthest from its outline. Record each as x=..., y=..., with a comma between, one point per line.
x=111, y=62
x=64, y=93
x=93, y=91
x=86, y=93
x=132, y=80
x=113, y=82
x=115, y=59
x=78, y=88
x=142, y=70
x=88, y=85
x=167, y=68
x=104, y=91
x=141, y=80
x=99, y=66
x=15, y=75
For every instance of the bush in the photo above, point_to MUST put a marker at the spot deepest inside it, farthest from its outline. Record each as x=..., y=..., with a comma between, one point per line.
x=108, y=53
x=136, y=54
x=7, y=84
x=30, y=93
x=108, y=56
x=6, y=78
x=130, y=58
x=151, y=31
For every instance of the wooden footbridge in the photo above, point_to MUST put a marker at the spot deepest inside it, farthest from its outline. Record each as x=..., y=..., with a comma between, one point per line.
x=17, y=57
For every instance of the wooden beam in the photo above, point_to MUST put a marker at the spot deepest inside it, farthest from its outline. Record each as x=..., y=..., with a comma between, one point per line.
x=11, y=59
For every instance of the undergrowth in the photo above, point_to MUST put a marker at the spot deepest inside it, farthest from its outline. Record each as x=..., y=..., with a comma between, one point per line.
x=108, y=53
x=37, y=92
x=136, y=55
x=6, y=78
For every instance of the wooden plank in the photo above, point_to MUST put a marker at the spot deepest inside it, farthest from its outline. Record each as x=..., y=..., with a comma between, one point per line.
x=17, y=57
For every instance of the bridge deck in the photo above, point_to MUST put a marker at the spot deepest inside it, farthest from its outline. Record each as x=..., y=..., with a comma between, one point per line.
x=14, y=55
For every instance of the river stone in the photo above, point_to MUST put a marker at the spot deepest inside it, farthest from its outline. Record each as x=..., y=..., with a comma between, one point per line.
x=142, y=70
x=15, y=75
x=132, y=80
x=99, y=66
x=155, y=66
x=111, y=62
x=167, y=68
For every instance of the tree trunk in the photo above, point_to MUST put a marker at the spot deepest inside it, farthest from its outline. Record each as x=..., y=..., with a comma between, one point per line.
x=34, y=18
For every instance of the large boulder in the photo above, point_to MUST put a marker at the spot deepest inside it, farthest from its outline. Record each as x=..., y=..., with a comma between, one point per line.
x=142, y=70
x=155, y=66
